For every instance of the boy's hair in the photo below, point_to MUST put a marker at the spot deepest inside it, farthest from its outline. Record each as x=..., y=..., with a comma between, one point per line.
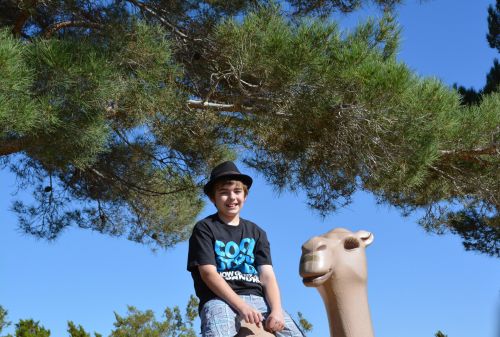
x=223, y=182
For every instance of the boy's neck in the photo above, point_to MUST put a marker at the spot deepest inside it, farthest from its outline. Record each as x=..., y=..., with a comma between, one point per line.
x=233, y=221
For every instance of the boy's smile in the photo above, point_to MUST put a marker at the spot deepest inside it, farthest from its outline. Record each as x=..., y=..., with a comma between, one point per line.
x=229, y=200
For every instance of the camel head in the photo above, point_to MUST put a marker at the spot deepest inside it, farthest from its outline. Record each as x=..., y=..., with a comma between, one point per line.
x=338, y=255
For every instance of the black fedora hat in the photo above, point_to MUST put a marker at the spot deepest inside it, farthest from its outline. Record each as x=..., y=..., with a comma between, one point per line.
x=228, y=171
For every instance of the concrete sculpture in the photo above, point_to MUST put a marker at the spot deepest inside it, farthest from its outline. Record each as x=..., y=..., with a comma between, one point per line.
x=335, y=264
x=251, y=330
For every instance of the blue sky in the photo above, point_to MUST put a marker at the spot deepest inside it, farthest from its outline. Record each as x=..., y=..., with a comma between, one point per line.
x=418, y=283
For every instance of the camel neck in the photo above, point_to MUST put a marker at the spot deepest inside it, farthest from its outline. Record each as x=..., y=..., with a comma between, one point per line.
x=347, y=308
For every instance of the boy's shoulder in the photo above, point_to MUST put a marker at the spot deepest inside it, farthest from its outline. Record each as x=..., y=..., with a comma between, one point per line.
x=251, y=224
x=208, y=221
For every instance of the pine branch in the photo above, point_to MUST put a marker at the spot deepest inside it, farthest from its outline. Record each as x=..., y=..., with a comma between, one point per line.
x=471, y=154
x=199, y=104
x=10, y=147
x=23, y=17
x=163, y=161
x=154, y=12
x=60, y=25
x=114, y=178
x=20, y=21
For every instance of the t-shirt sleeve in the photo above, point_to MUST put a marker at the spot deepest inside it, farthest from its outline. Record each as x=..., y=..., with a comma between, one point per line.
x=201, y=249
x=262, y=250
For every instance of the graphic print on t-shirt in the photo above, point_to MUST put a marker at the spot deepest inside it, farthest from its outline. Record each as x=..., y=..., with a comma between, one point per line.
x=236, y=261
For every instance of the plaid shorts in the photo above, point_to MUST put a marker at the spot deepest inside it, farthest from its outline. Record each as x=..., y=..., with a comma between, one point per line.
x=218, y=319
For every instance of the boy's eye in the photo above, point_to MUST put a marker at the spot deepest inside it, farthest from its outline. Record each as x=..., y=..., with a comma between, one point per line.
x=227, y=192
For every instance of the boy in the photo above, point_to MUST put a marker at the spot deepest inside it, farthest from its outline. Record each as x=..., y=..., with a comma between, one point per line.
x=230, y=262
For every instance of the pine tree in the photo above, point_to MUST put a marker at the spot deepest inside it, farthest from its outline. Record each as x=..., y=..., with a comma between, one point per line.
x=135, y=324
x=470, y=96
x=305, y=325
x=30, y=328
x=3, y=319
x=114, y=112
x=144, y=324
x=479, y=225
x=75, y=331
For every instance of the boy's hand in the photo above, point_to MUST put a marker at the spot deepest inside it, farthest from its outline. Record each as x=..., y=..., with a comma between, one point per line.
x=250, y=315
x=275, y=321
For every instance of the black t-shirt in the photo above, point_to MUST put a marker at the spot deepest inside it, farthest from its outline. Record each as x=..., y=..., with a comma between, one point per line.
x=236, y=251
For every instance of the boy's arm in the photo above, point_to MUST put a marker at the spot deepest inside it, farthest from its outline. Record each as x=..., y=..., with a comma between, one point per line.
x=275, y=321
x=219, y=286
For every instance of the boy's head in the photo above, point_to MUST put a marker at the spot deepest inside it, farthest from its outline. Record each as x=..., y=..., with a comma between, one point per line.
x=226, y=174
x=229, y=197
x=224, y=184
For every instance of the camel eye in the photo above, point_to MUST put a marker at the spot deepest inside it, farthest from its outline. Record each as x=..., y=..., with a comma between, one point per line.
x=351, y=243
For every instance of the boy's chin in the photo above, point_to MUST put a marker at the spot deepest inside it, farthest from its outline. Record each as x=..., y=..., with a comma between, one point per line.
x=232, y=211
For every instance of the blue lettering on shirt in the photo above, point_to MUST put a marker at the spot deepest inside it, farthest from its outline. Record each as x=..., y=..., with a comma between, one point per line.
x=233, y=256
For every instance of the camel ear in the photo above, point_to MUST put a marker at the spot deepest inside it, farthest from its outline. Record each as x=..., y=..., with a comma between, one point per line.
x=366, y=237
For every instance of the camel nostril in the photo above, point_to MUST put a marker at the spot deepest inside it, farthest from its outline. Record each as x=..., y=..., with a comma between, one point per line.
x=309, y=249
x=321, y=247
x=351, y=243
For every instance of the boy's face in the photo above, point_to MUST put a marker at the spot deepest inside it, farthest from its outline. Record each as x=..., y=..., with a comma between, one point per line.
x=229, y=199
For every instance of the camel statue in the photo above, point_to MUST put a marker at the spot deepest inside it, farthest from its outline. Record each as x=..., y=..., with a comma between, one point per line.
x=335, y=264
x=251, y=330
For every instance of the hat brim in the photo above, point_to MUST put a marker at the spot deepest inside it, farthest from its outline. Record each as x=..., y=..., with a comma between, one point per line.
x=247, y=180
